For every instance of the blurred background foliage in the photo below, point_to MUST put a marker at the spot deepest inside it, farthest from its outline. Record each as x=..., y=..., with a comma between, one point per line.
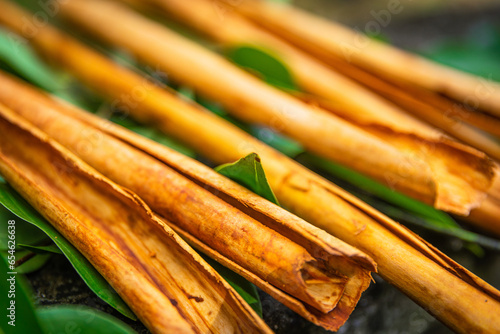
x=460, y=33
x=352, y=11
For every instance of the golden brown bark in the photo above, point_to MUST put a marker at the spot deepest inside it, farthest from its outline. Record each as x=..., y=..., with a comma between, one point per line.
x=323, y=277
x=168, y=286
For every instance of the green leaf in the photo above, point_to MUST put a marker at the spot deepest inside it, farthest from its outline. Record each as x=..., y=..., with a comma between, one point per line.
x=186, y=93
x=217, y=109
x=31, y=262
x=379, y=190
x=397, y=205
x=276, y=73
x=415, y=219
x=468, y=59
x=18, y=56
x=18, y=206
x=477, y=53
x=21, y=60
x=26, y=233
x=285, y=145
x=26, y=320
x=280, y=1
x=60, y=319
x=380, y=37
x=80, y=319
x=52, y=248
x=30, y=5
x=249, y=173
x=263, y=62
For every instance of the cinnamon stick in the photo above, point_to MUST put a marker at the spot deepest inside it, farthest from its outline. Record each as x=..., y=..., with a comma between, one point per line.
x=452, y=117
x=152, y=269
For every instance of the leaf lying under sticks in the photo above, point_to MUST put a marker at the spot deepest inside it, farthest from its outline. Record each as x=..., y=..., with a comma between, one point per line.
x=26, y=233
x=151, y=133
x=27, y=320
x=56, y=318
x=269, y=67
x=477, y=53
x=163, y=280
x=16, y=54
x=313, y=273
x=245, y=289
x=52, y=248
x=18, y=206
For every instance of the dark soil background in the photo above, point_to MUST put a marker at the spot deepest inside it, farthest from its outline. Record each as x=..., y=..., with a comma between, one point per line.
x=382, y=309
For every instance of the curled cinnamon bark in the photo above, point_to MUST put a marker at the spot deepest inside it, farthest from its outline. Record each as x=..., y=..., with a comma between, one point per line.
x=143, y=259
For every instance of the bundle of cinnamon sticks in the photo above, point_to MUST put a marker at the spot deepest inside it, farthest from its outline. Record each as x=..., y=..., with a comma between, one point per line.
x=307, y=268
x=152, y=268
x=367, y=133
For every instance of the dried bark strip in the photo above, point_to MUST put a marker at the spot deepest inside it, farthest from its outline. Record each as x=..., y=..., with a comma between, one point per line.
x=151, y=267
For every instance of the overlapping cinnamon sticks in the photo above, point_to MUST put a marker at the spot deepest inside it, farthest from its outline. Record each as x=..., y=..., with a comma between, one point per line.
x=221, y=24
x=231, y=30
x=444, y=173
x=338, y=42
x=166, y=283
x=336, y=92
x=455, y=296
x=462, y=116
x=445, y=98
x=321, y=279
